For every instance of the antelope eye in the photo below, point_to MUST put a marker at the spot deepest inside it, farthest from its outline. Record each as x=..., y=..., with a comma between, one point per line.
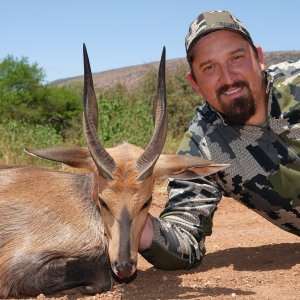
x=102, y=203
x=147, y=203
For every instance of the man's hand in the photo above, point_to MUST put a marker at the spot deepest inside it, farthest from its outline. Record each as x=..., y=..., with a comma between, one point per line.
x=147, y=235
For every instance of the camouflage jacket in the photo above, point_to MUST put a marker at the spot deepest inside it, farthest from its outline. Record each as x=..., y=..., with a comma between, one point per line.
x=264, y=173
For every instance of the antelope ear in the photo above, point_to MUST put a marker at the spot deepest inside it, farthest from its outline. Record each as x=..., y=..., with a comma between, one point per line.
x=74, y=156
x=185, y=167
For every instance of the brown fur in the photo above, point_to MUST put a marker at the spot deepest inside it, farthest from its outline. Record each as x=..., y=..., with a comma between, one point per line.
x=50, y=227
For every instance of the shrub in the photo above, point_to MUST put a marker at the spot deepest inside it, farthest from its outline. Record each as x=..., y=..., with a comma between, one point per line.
x=121, y=115
x=24, y=97
x=15, y=135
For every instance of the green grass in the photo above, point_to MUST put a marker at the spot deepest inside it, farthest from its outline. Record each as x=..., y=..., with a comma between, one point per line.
x=15, y=136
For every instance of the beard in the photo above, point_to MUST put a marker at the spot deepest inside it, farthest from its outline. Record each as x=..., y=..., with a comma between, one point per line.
x=239, y=110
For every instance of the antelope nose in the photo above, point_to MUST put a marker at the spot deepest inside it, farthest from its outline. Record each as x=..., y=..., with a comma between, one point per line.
x=125, y=269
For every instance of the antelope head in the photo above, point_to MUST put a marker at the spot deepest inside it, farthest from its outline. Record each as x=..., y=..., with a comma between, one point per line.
x=124, y=175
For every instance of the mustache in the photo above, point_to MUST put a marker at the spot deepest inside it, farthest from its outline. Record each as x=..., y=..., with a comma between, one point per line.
x=222, y=89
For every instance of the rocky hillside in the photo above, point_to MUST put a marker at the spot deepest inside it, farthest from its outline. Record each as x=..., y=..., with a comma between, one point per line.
x=130, y=76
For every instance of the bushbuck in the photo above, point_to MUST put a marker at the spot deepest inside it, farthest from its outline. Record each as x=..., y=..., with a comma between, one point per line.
x=61, y=230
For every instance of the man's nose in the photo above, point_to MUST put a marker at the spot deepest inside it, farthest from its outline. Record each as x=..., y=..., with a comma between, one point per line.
x=227, y=76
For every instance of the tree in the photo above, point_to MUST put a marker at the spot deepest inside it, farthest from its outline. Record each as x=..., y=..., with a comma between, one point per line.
x=19, y=82
x=24, y=97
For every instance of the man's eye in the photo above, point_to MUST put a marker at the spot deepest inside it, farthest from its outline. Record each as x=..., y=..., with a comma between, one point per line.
x=209, y=69
x=237, y=57
x=102, y=203
x=147, y=203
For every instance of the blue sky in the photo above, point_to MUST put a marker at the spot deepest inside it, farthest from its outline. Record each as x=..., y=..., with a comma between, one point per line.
x=128, y=32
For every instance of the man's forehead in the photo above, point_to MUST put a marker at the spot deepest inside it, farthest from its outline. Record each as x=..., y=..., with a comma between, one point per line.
x=222, y=37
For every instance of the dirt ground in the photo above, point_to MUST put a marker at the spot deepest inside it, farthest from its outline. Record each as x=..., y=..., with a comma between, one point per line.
x=247, y=258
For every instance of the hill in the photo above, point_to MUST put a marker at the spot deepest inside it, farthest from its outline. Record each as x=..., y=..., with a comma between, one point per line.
x=131, y=75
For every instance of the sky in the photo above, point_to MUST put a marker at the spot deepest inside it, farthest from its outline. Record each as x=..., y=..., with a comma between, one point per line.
x=121, y=33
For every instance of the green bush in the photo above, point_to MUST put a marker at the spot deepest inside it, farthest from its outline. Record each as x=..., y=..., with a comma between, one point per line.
x=16, y=135
x=181, y=102
x=123, y=117
x=23, y=96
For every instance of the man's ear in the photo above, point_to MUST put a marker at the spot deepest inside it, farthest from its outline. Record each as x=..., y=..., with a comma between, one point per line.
x=193, y=83
x=261, y=57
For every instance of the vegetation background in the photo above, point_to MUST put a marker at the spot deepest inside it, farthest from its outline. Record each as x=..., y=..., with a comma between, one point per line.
x=36, y=115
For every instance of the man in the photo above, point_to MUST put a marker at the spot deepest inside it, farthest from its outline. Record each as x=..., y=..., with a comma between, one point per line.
x=251, y=119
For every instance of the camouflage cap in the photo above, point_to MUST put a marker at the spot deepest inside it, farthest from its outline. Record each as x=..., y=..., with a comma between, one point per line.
x=208, y=22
